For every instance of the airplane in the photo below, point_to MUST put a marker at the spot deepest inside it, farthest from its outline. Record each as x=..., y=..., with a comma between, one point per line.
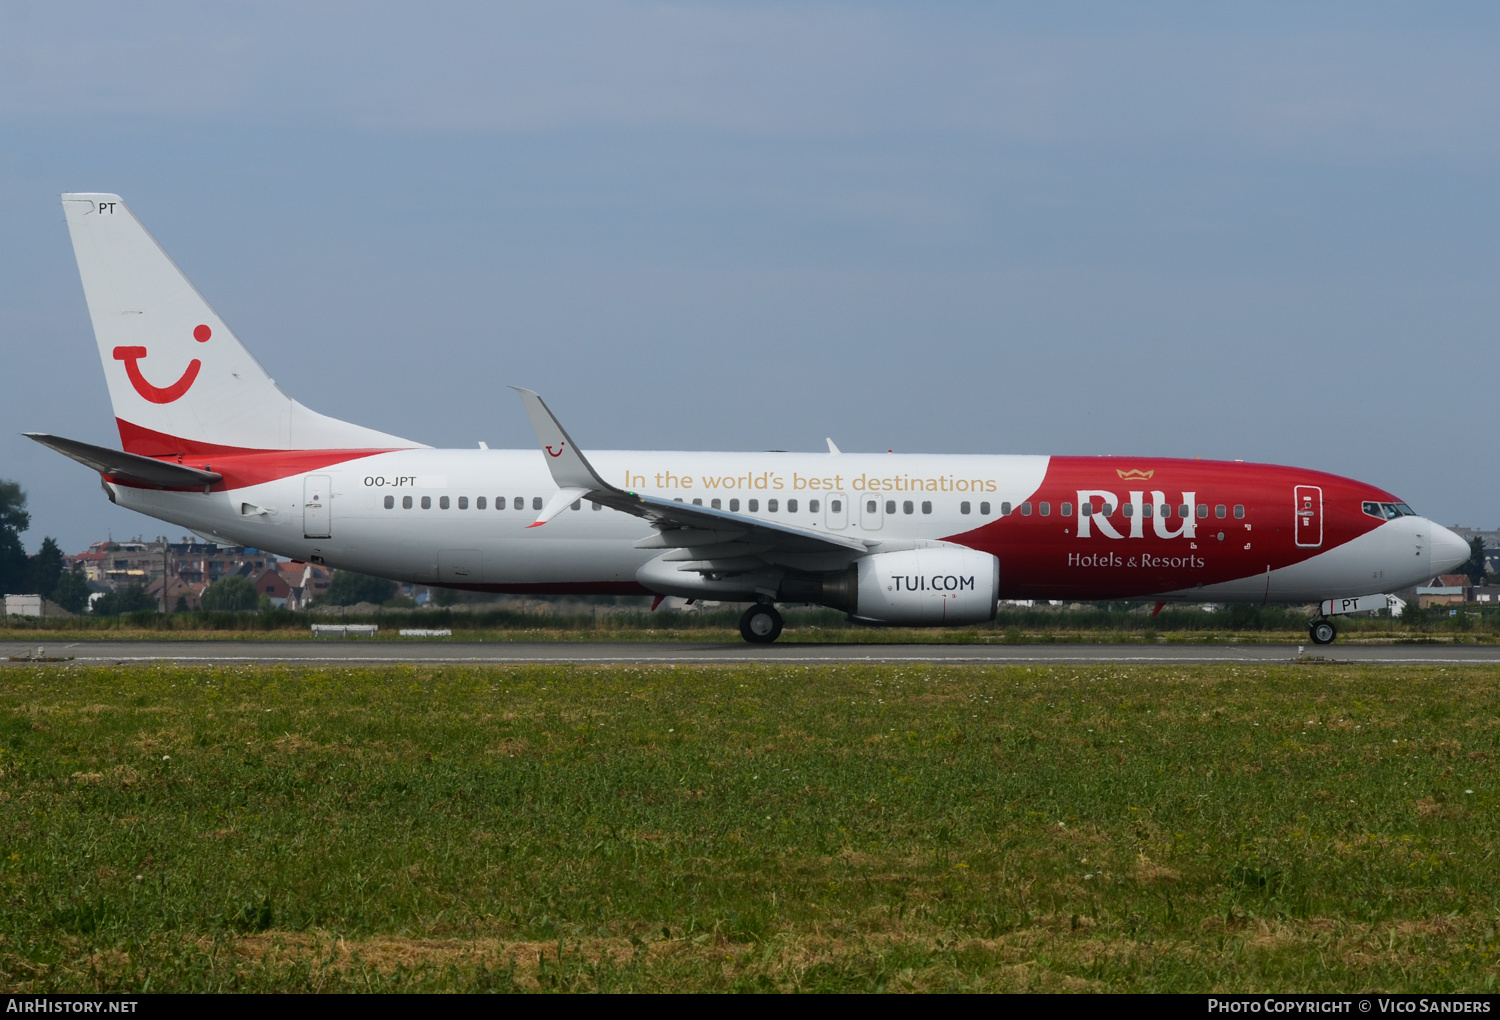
x=211, y=443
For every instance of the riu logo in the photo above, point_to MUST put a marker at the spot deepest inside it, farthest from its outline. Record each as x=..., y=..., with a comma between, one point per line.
x=1096, y=506
x=161, y=394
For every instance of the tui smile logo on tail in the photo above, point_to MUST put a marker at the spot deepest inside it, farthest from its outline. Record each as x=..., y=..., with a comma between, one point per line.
x=161, y=394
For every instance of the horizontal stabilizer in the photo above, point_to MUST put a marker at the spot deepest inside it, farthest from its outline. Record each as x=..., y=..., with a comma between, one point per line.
x=128, y=467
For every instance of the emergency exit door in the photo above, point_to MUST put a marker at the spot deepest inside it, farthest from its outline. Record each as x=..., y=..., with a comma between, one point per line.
x=317, y=520
x=1308, y=516
x=838, y=511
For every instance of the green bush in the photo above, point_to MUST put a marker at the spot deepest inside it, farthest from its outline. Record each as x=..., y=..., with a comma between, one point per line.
x=230, y=594
x=347, y=588
x=131, y=599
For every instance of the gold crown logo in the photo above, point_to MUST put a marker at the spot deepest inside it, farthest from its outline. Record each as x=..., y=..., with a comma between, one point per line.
x=1134, y=474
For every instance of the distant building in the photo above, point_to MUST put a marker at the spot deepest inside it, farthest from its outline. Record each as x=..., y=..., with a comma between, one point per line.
x=113, y=565
x=1444, y=590
x=304, y=582
x=191, y=594
x=273, y=584
x=23, y=605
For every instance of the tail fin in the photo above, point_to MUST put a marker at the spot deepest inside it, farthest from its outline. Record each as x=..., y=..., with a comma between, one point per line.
x=179, y=380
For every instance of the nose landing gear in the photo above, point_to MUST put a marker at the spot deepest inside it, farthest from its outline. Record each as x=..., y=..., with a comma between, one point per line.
x=1322, y=631
x=761, y=624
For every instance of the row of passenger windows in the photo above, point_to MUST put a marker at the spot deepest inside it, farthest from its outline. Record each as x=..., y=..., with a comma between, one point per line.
x=1128, y=510
x=773, y=505
x=480, y=503
x=873, y=506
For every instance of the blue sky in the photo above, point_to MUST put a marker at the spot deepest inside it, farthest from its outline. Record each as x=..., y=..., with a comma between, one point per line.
x=1266, y=233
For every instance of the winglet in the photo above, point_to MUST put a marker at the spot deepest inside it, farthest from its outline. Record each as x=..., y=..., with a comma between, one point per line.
x=574, y=475
x=570, y=470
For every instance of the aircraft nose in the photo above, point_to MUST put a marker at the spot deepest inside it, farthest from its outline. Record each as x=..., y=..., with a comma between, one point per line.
x=1448, y=550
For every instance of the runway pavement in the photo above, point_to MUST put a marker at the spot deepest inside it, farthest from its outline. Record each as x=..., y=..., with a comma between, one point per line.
x=500, y=653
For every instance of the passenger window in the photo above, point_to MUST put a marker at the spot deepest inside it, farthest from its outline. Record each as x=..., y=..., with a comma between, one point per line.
x=1025, y=509
x=577, y=504
x=1202, y=510
x=908, y=507
x=984, y=508
x=1184, y=511
x=596, y=506
x=519, y=503
x=771, y=505
x=1066, y=510
x=835, y=505
x=536, y=502
x=405, y=502
x=480, y=503
x=791, y=506
x=870, y=506
x=390, y=502
x=1239, y=510
x=926, y=506
x=442, y=502
x=1219, y=510
x=1108, y=510
x=1145, y=509
x=1128, y=509
x=1045, y=509
x=463, y=502
x=426, y=502
x=754, y=505
x=890, y=506
x=734, y=506
x=812, y=506
x=697, y=502
x=715, y=504
x=963, y=507
x=1004, y=509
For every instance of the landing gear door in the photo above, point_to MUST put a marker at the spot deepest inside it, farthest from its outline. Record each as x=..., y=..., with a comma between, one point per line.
x=1308, y=516
x=317, y=506
x=838, y=511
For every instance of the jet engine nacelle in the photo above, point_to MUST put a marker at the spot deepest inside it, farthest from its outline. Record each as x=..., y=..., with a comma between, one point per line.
x=927, y=587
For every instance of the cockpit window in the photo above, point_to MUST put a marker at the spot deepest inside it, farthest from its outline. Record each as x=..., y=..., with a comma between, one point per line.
x=1388, y=511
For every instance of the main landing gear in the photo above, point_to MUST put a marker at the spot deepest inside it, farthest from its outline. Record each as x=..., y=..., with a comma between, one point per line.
x=1322, y=631
x=761, y=624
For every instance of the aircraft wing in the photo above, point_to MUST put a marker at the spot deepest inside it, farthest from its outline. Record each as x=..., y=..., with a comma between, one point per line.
x=709, y=541
x=128, y=467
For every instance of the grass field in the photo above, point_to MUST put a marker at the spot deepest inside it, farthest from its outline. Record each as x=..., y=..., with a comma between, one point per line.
x=758, y=828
